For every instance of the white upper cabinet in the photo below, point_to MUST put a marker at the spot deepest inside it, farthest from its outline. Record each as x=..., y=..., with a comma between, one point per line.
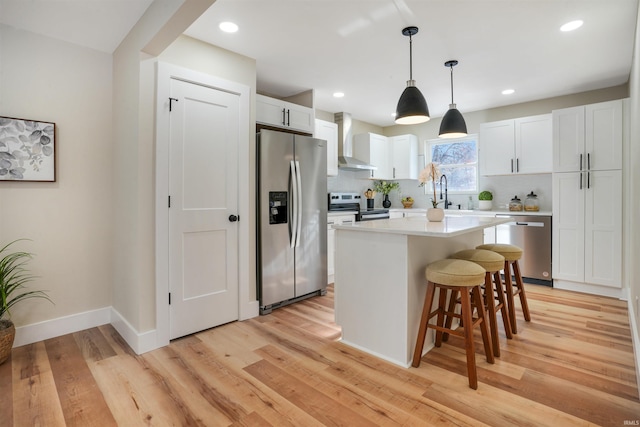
x=395, y=157
x=329, y=132
x=404, y=150
x=588, y=137
x=283, y=114
x=373, y=149
x=516, y=146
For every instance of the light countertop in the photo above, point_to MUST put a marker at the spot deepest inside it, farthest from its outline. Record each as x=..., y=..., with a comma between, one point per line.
x=451, y=212
x=419, y=226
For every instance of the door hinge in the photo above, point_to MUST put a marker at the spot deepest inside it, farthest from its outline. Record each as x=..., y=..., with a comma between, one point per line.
x=169, y=298
x=169, y=201
x=170, y=103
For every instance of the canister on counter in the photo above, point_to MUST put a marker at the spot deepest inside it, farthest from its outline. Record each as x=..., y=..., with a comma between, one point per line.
x=515, y=204
x=531, y=203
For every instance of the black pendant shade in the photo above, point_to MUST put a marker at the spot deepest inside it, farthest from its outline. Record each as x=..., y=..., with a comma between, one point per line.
x=412, y=107
x=452, y=124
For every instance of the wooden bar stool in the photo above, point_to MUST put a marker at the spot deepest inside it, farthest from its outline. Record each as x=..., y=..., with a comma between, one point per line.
x=511, y=254
x=464, y=277
x=492, y=263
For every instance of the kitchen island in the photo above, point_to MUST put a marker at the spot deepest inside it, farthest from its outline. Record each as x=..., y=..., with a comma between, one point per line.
x=379, y=278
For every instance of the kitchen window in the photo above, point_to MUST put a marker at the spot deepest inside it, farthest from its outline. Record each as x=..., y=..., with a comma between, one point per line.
x=458, y=160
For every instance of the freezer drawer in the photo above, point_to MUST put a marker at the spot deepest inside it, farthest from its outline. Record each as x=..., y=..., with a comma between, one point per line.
x=533, y=235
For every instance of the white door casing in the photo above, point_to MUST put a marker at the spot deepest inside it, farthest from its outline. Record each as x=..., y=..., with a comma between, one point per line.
x=245, y=304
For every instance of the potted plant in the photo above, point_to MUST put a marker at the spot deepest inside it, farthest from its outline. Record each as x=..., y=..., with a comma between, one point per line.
x=385, y=187
x=432, y=173
x=485, y=200
x=13, y=277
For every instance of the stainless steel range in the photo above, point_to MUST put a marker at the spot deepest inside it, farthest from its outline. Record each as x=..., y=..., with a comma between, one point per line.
x=350, y=202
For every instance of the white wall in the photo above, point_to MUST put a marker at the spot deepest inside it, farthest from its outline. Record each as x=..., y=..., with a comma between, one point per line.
x=69, y=221
x=633, y=267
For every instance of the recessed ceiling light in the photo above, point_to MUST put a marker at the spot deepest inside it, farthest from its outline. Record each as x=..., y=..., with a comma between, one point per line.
x=508, y=91
x=338, y=95
x=570, y=26
x=228, y=27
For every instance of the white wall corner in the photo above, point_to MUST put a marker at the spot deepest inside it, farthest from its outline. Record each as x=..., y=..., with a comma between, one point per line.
x=139, y=342
x=41, y=331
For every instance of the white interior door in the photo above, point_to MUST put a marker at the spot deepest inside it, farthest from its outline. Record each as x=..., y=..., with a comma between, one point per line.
x=203, y=189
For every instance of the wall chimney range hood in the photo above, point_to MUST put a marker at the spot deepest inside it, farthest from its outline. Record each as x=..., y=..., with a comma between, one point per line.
x=346, y=161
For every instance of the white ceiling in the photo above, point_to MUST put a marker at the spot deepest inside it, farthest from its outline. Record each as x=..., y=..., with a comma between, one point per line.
x=357, y=46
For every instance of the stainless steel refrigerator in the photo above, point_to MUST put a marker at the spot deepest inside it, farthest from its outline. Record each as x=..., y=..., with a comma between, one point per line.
x=292, y=218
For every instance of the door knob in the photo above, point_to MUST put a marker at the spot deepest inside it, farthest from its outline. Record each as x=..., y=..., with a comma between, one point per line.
x=233, y=218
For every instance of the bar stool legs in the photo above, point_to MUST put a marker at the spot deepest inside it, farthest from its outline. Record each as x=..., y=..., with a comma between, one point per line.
x=513, y=289
x=459, y=276
x=511, y=254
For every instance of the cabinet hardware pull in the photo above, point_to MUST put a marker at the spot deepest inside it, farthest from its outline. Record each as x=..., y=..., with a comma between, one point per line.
x=588, y=161
x=580, y=161
x=288, y=117
x=580, y=180
x=517, y=165
x=283, y=113
x=588, y=179
x=511, y=165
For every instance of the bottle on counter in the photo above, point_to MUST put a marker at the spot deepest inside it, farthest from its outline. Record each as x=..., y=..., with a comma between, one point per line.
x=470, y=203
x=515, y=204
x=531, y=203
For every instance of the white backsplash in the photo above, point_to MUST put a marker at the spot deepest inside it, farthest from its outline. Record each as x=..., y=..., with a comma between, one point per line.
x=502, y=187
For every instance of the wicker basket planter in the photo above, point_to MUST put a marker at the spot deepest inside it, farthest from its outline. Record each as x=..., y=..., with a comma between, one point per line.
x=7, y=334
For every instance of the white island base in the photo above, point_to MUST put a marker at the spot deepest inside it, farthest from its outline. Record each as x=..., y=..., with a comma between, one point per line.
x=380, y=280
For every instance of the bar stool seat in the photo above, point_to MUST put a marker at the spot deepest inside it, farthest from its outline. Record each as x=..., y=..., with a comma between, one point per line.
x=464, y=277
x=492, y=262
x=511, y=254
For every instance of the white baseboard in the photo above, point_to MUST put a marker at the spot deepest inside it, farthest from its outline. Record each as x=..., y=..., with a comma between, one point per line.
x=635, y=336
x=139, y=342
x=63, y=325
x=589, y=289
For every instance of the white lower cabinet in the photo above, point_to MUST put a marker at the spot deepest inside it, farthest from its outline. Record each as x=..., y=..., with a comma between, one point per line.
x=331, y=245
x=587, y=228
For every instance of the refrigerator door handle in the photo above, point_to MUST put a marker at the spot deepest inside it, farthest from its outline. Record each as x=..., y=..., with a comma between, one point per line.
x=298, y=204
x=294, y=204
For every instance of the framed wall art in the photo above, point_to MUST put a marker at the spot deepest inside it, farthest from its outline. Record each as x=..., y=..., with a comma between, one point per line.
x=27, y=150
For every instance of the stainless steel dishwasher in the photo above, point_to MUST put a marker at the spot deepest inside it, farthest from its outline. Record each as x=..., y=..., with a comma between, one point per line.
x=533, y=235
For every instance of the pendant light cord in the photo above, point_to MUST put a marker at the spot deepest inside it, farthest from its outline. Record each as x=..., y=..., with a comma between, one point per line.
x=451, y=66
x=410, y=57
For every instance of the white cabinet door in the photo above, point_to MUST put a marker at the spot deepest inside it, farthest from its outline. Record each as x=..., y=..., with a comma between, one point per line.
x=404, y=149
x=331, y=254
x=603, y=136
x=299, y=117
x=603, y=228
x=497, y=154
x=534, y=144
x=329, y=132
x=568, y=139
x=279, y=113
x=373, y=149
x=331, y=242
x=588, y=137
x=568, y=226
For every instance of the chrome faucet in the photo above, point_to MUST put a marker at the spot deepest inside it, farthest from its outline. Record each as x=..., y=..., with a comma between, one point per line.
x=446, y=196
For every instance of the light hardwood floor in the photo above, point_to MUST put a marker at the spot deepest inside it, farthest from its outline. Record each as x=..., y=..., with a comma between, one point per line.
x=572, y=365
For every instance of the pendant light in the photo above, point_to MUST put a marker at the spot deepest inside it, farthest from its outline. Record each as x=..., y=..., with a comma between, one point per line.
x=412, y=107
x=452, y=124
